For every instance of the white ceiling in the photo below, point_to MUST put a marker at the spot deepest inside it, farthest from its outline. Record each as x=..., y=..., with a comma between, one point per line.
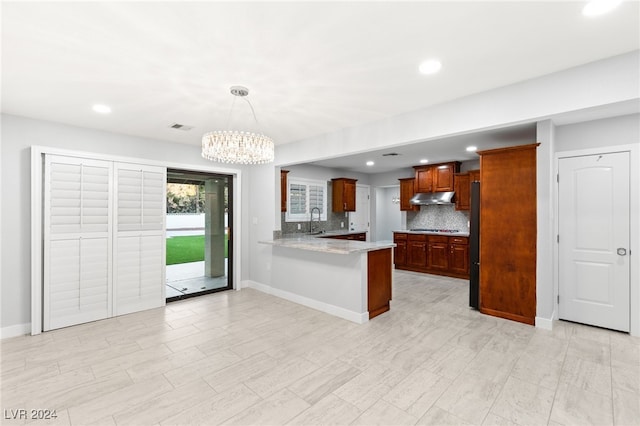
x=311, y=67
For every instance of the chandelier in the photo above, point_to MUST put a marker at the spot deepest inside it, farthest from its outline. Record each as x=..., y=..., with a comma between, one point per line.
x=232, y=146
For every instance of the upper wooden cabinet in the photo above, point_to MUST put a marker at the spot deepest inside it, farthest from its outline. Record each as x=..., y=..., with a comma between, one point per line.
x=407, y=191
x=436, y=177
x=344, y=195
x=283, y=190
x=462, y=186
x=474, y=175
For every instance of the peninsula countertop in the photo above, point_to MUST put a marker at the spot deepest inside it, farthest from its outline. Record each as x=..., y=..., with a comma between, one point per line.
x=327, y=245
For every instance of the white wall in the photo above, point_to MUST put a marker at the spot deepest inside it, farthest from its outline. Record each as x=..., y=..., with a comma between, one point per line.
x=18, y=135
x=387, y=213
x=614, y=131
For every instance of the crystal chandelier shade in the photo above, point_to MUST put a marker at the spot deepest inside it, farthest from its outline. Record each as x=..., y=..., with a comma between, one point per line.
x=226, y=146
x=237, y=147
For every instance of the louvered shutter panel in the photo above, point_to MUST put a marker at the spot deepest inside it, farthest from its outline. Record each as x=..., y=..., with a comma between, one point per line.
x=139, y=238
x=77, y=241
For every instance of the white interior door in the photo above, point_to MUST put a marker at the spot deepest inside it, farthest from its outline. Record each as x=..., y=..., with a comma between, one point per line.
x=77, y=241
x=593, y=218
x=359, y=220
x=139, y=275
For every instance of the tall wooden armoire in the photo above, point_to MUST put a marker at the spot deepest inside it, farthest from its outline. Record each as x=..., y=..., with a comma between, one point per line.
x=508, y=232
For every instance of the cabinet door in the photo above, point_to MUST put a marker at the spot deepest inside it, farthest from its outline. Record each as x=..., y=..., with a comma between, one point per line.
x=417, y=253
x=406, y=193
x=459, y=259
x=400, y=253
x=463, y=191
x=474, y=175
x=350, y=196
x=343, y=197
x=439, y=255
x=283, y=190
x=443, y=177
x=424, y=179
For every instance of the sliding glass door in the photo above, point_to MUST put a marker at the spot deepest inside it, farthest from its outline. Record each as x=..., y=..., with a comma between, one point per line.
x=199, y=233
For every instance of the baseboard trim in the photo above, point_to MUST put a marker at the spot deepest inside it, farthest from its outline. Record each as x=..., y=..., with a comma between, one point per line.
x=15, y=331
x=544, y=323
x=358, y=318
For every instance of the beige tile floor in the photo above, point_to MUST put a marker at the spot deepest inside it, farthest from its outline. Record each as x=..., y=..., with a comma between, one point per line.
x=249, y=358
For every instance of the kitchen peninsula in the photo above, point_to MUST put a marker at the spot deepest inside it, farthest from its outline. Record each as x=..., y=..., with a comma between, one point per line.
x=346, y=278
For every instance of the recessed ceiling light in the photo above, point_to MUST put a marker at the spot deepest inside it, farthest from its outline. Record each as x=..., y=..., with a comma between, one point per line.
x=599, y=7
x=430, y=66
x=370, y=163
x=424, y=161
x=102, y=109
x=472, y=148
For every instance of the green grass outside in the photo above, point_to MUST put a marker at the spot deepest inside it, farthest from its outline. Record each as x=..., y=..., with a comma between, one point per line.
x=188, y=249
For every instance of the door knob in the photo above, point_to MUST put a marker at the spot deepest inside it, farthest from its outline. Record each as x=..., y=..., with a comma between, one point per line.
x=622, y=251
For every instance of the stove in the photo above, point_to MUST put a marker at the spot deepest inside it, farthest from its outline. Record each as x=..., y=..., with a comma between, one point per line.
x=448, y=231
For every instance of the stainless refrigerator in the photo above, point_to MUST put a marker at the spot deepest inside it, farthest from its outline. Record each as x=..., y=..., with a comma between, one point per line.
x=474, y=246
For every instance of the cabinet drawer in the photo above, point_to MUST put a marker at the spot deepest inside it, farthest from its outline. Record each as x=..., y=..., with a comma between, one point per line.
x=417, y=237
x=398, y=236
x=459, y=240
x=438, y=239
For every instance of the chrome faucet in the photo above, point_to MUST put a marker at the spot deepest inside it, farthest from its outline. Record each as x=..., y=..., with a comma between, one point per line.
x=311, y=228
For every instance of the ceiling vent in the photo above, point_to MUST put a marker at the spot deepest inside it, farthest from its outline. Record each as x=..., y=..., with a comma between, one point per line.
x=390, y=154
x=182, y=127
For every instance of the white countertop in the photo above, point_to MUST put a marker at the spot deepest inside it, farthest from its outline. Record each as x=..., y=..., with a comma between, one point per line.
x=327, y=245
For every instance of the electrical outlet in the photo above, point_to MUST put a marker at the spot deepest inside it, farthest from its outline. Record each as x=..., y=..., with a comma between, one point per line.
x=298, y=227
x=341, y=224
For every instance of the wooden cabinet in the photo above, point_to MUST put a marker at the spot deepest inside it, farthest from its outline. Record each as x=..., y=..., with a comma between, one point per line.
x=462, y=185
x=438, y=254
x=400, y=250
x=474, y=175
x=343, y=198
x=459, y=255
x=359, y=236
x=433, y=254
x=508, y=233
x=379, y=281
x=417, y=250
x=436, y=177
x=283, y=190
x=407, y=191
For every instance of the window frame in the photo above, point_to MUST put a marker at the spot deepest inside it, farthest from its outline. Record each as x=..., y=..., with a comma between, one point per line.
x=305, y=217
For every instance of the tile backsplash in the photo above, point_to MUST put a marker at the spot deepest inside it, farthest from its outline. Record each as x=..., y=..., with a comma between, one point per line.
x=438, y=217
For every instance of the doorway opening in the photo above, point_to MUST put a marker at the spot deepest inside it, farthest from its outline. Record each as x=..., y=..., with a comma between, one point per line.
x=199, y=243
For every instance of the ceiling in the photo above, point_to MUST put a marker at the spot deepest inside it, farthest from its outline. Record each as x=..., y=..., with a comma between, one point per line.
x=311, y=67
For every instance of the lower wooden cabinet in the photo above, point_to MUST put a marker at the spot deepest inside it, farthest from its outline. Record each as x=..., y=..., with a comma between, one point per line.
x=433, y=254
x=360, y=236
x=459, y=255
x=417, y=250
x=400, y=250
x=438, y=254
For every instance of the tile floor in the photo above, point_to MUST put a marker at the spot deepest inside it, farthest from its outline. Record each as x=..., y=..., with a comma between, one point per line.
x=250, y=358
x=188, y=278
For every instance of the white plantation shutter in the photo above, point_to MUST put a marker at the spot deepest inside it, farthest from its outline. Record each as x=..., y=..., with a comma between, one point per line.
x=139, y=237
x=77, y=241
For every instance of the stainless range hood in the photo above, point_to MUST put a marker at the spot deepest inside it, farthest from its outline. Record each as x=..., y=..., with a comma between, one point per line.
x=429, y=198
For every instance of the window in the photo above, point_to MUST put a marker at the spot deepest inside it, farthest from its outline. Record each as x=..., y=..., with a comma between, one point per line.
x=303, y=196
